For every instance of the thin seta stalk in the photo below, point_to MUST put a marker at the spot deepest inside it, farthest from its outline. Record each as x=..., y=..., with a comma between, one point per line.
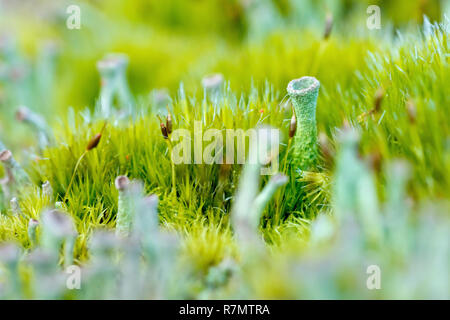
x=92, y=144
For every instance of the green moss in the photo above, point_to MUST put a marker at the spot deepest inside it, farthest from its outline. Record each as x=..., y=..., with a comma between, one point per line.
x=350, y=185
x=303, y=93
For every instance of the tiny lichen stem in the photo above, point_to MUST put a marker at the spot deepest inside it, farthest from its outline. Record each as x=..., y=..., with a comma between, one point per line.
x=303, y=93
x=73, y=175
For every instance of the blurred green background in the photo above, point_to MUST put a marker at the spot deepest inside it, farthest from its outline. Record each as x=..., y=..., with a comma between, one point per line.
x=48, y=67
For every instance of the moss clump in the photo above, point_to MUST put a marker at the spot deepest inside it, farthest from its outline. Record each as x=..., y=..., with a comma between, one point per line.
x=304, y=93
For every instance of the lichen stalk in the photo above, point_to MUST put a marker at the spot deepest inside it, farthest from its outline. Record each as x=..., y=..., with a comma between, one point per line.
x=17, y=173
x=130, y=194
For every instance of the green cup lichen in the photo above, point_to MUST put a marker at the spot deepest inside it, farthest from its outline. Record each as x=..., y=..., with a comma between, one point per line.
x=303, y=93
